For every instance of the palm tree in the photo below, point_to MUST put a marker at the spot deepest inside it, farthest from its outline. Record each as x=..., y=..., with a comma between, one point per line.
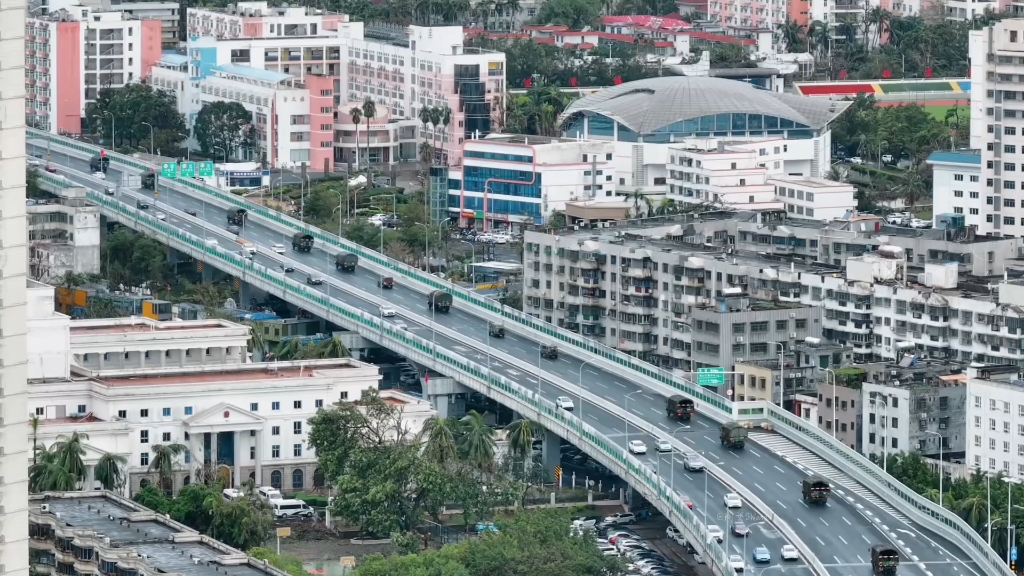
x=792, y=34
x=446, y=119
x=426, y=151
x=974, y=511
x=47, y=474
x=35, y=435
x=666, y=207
x=913, y=186
x=520, y=435
x=69, y=451
x=162, y=462
x=477, y=441
x=442, y=435
x=435, y=121
x=511, y=9
x=369, y=113
x=640, y=199
x=424, y=116
x=109, y=472
x=357, y=116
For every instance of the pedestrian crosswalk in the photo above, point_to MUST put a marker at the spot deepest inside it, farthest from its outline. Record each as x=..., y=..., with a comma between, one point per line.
x=810, y=462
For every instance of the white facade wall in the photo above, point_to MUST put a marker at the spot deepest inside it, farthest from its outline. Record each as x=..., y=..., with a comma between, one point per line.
x=49, y=335
x=886, y=423
x=957, y=189
x=815, y=198
x=730, y=177
x=63, y=238
x=995, y=425
x=13, y=297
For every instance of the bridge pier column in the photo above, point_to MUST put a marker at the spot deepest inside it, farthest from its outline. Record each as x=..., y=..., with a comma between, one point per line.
x=207, y=273
x=550, y=454
x=245, y=293
x=172, y=256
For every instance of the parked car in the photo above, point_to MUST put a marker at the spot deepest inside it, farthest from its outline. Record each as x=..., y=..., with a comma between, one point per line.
x=674, y=535
x=733, y=500
x=637, y=447
x=621, y=518
x=856, y=160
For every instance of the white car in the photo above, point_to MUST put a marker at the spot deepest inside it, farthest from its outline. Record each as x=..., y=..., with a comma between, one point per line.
x=662, y=445
x=733, y=500
x=33, y=162
x=160, y=215
x=789, y=552
x=736, y=562
x=279, y=248
x=698, y=558
x=856, y=160
x=401, y=325
x=564, y=402
x=608, y=550
x=674, y=535
x=99, y=175
x=637, y=447
x=620, y=518
x=386, y=311
x=715, y=532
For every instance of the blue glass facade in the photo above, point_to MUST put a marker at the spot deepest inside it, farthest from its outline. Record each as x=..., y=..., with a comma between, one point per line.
x=511, y=207
x=712, y=125
x=496, y=156
x=524, y=185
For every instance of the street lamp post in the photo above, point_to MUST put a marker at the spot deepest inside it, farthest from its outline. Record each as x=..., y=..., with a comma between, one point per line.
x=941, y=471
x=215, y=148
x=426, y=246
x=152, y=148
x=1009, y=521
x=625, y=417
x=111, y=114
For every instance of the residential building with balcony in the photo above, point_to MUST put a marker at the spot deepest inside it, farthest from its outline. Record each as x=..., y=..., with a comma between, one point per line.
x=957, y=188
x=71, y=54
x=165, y=12
x=402, y=69
x=63, y=235
x=104, y=533
x=510, y=182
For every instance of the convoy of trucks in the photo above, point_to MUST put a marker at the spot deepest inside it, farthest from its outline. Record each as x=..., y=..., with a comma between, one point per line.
x=99, y=163
x=884, y=560
x=733, y=435
x=302, y=242
x=439, y=301
x=679, y=408
x=346, y=261
x=816, y=489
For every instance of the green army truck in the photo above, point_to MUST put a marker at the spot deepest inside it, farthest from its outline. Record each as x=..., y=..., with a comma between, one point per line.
x=733, y=435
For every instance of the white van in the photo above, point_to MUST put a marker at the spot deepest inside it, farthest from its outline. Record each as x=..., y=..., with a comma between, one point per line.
x=291, y=509
x=231, y=494
x=211, y=242
x=269, y=493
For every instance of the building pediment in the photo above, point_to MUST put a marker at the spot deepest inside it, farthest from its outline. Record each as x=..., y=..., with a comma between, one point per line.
x=223, y=417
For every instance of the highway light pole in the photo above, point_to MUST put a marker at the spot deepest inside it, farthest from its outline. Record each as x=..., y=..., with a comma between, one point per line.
x=111, y=127
x=941, y=471
x=152, y=149
x=1009, y=520
x=625, y=418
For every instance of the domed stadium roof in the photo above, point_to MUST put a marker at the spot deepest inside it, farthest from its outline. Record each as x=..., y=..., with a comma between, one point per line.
x=647, y=105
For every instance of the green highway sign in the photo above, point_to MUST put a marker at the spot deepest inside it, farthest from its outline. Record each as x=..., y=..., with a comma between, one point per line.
x=206, y=169
x=169, y=170
x=711, y=376
x=188, y=169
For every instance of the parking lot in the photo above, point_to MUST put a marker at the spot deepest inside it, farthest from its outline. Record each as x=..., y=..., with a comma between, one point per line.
x=643, y=545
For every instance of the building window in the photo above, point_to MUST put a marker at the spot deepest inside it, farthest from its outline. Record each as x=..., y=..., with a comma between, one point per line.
x=144, y=436
x=297, y=427
x=275, y=451
x=144, y=459
x=254, y=407
x=297, y=479
x=123, y=414
x=275, y=405
x=166, y=437
x=297, y=405
x=318, y=403
x=252, y=452
x=166, y=412
x=144, y=413
x=275, y=430
x=297, y=450
x=188, y=410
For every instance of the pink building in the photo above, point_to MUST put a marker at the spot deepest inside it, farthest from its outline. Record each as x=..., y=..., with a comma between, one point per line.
x=96, y=50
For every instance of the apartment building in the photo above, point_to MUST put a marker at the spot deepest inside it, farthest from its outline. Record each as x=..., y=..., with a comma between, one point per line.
x=165, y=12
x=402, y=69
x=101, y=532
x=73, y=53
x=511, y=182
x=63, y=235
x=957, y=189
x=880, y=291
x=997, y=122
x=995, y=420
x=968, y=10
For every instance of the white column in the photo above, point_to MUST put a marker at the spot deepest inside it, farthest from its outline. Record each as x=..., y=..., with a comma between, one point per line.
x=197, y=454
x=238, y=457
x=213, y=449
x=89, y=481
x=259, y=458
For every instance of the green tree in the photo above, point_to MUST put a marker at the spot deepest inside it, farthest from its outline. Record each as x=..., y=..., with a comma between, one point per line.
x=110, y=472
x=189, y=506
x=476, y=443
x=442, y=436
x=357, y=116
x=295, y=349
x=521, y=433
x=47, y=474
x=133, y=106
x=572, y=13
x=369, y=110
x=243, y=523
x=221, y=124
x=69, y=451
x=153, y=498
x=134, y=261
x=290, y=564
x=162, y=461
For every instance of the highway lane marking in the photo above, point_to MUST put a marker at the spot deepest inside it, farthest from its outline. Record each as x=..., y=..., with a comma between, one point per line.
x=663, y=425
x=838, y=561
x=754, y=452
x=708, y=439
x=787, y=507
x=819, y=540
x=843, y=539
x=776, y=467
x=801, y=522
x=758, y=486
x=823, y=521
x=780, y=485
x=865, y=538
x=704, y=424
x=847, y=521
x=758, y=470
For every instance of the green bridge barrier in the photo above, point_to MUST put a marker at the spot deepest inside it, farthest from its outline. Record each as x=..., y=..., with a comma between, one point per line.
x=452, y=364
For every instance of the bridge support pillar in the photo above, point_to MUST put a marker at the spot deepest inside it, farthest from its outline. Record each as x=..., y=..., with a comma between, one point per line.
x=550, y=454
x=245, y=293
x=172, y=256
x=207, y=272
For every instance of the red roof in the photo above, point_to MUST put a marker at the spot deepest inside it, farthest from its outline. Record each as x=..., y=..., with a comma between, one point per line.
x=550, y=41
x=653, y=22
x=663, y=44
x=722, y=38
x=546, y=28
x=586, y=46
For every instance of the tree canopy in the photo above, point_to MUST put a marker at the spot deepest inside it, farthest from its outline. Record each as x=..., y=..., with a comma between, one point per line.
x=220, y=128
x=133, y=106
x=132, y=260
x=528, y=543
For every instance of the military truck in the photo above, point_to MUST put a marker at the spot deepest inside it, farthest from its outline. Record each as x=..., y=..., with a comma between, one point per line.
x=346, y=261
x=99, y=163
x=679, y=408
x=149, y=181
x=237, y=217
x=496, y=330
x=733, y=435
x=884, y=560
x=816, y=489
x=439, y=301
x=302, y=242
x=549, y=351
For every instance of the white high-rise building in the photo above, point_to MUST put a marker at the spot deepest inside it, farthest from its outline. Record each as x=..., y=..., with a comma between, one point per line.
x=997, y=124
x=13, y=285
